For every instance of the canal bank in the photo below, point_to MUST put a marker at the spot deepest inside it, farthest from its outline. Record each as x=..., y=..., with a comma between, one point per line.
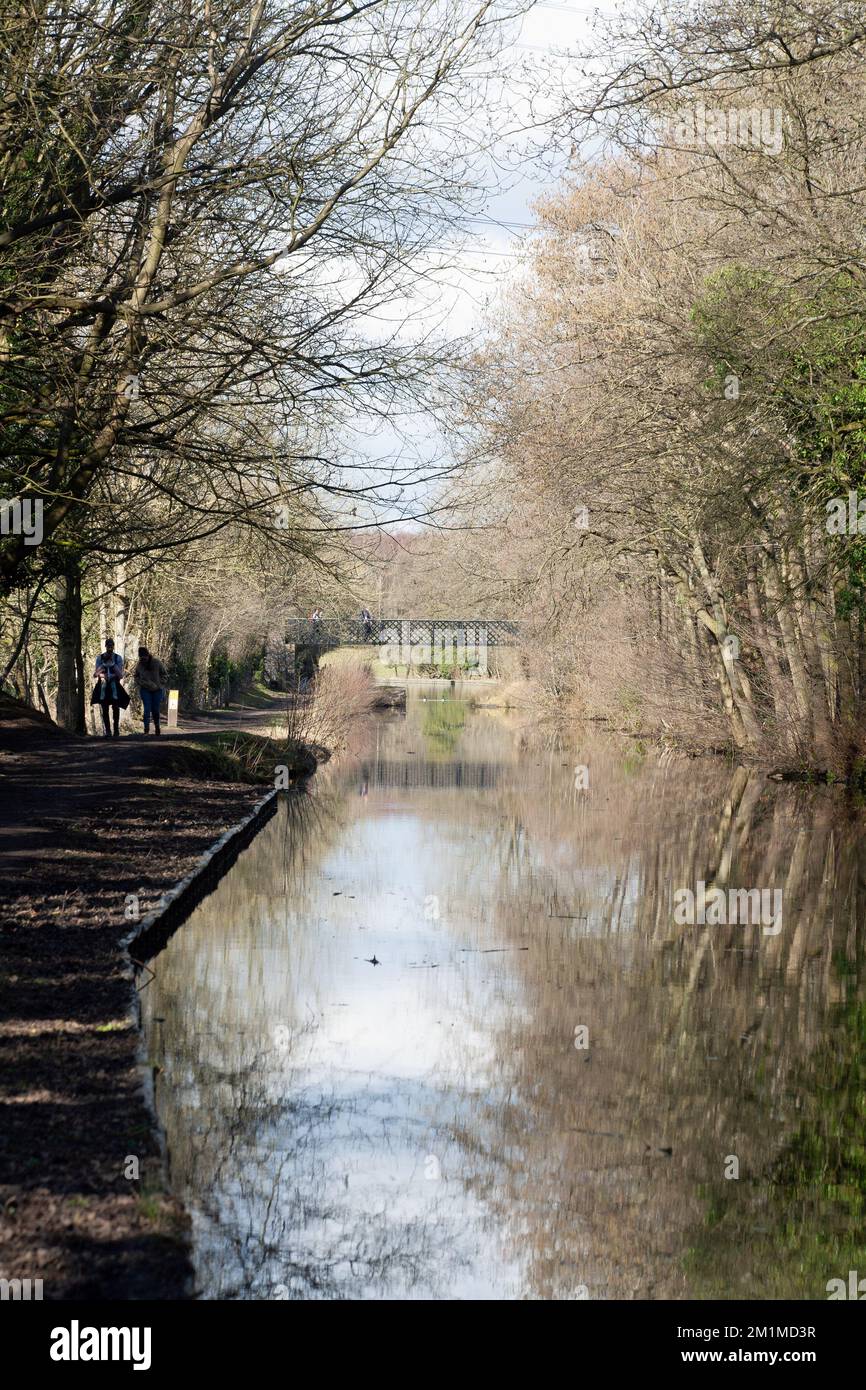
x=92, y=836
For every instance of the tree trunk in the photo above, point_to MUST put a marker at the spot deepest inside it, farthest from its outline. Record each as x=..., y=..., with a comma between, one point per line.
x=734, y=684
x=121, y=610
x=803, y=609
x=70, y=662
x=790, y=642
x=765, y=641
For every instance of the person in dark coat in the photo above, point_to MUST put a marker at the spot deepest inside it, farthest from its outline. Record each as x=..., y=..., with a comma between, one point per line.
x=107, y=693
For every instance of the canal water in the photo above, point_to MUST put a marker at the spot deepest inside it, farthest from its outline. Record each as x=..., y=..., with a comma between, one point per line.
x=437, y=1034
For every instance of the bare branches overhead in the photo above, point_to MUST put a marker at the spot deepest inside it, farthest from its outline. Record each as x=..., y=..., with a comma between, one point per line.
x=202, y=207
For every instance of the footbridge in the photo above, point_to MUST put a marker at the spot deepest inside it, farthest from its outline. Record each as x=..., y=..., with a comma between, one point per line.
x=424, y=645
x=428, y=633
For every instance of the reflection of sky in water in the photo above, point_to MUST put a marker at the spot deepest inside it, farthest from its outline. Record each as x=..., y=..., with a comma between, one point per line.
x=425, y=1127
x=346, y=1179
x=393, y=1047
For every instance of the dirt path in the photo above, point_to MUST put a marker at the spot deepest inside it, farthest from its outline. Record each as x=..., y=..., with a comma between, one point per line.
x=91, y=831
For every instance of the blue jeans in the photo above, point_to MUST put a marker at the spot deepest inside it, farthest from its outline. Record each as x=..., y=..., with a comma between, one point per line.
x=152, y=701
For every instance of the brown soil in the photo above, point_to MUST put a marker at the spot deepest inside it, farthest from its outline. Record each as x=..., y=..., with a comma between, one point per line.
x=84, y=825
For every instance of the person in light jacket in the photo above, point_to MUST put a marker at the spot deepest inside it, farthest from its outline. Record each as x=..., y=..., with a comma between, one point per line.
x=151, y=678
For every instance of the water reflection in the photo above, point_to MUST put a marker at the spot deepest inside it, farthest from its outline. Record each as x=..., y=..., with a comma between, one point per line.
x=426, y=1126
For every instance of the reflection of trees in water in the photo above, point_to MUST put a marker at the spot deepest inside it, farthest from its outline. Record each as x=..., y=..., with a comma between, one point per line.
x=705, y=1041
x=273, y=1223
x=251, y=901
x=802, y=1213
x=699, y=1036
x=245, y=1135
x=270, y=1219
x=444, y=722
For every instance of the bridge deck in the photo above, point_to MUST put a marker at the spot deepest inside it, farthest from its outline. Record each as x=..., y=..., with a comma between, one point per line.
x=411, y=632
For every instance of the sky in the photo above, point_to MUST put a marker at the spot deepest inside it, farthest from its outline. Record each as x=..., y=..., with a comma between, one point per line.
x=462, y=297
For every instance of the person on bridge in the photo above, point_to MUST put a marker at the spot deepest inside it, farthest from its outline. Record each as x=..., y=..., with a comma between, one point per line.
x=108, y=692
x=151, y=678
x=316, y=621
x=367, y=624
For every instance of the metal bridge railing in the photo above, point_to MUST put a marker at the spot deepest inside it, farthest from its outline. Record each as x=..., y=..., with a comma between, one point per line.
x=351, y=632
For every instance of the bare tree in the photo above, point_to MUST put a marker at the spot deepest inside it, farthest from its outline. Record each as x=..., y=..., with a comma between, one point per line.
x=204, y=208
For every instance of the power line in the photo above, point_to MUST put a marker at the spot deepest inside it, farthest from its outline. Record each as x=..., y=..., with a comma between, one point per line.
x=482, y=251
x=502, y=222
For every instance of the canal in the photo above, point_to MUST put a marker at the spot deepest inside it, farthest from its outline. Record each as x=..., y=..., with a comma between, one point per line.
x=437, y=1033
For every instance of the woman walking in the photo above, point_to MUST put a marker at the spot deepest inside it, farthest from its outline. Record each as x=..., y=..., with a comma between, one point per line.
x=108, y=691
x=150, y=677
